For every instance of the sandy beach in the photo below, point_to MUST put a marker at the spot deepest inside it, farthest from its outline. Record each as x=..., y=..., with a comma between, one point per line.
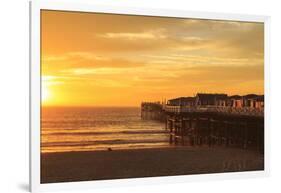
x=117, y=164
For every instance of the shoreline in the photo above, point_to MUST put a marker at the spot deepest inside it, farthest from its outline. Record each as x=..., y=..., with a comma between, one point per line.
x=169, y=146
x=146, y=162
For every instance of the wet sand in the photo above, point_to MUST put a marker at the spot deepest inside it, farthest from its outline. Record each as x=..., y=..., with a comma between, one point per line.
x=117, y=164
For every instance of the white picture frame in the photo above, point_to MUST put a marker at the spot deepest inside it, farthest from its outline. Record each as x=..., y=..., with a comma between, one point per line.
x=36, y=6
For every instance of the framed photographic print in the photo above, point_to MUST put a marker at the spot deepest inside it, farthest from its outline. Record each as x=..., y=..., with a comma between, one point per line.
x=124, y=96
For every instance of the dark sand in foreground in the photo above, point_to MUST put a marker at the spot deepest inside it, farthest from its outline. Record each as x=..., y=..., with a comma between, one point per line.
x=100, y=165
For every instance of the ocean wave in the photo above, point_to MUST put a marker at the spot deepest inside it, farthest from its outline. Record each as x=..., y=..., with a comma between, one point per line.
x=99, y=142
x=106, y=133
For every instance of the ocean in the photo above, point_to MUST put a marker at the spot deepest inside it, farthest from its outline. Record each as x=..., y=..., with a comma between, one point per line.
x=65, y=129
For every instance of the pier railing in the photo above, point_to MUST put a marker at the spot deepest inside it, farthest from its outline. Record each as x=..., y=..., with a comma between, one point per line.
x=249, y=111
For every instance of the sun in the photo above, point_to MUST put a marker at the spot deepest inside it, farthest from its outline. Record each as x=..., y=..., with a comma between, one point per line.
x=45, y=94
x=45, y=89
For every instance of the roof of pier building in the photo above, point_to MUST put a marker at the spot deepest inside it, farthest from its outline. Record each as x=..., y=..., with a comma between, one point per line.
x=209, y=99
x=235, y=97
x=253, y=97
x=250, y=96
x=208, y=96
x=260, y=98
x=182, y=101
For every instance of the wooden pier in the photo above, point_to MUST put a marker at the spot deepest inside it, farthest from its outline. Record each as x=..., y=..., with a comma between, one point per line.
x=212, y=120
x=210, y=125
x=216, y=129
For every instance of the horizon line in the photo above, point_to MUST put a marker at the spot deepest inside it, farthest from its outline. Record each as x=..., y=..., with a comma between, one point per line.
x=88, y=106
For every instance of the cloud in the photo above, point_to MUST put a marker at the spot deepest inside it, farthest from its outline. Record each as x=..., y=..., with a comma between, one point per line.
x=107, y=33
x=107, y=83
x=56, y=63
x=149, y=35
x=225, y=73
x=95, y=71
x=86, y=55
x=227, y=38
x=51, y=80
x=189, y=60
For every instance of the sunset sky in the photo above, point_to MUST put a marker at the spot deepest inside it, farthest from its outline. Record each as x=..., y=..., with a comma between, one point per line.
x=117, y=60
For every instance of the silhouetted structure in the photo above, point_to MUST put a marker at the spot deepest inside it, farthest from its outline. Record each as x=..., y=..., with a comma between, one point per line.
x=152, y=110
x=212, y=119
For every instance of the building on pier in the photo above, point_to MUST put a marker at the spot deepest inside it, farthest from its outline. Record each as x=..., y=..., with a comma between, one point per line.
x=259, y=102
x=248, y=99
x=182, y=101
x=255, y=101
x=235, y=101
x=203, y=99
x=248, y=105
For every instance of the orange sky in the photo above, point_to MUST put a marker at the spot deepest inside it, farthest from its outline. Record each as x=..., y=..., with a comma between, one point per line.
x=118, y=60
